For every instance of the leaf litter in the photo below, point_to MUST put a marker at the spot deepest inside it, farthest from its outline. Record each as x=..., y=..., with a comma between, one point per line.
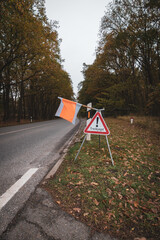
x=122, y=200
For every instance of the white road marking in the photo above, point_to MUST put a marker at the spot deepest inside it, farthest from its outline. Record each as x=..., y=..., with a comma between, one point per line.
x=23, y=129
x=15, y=188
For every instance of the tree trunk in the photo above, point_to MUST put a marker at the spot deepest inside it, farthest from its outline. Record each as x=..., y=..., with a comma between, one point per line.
x=6, y=91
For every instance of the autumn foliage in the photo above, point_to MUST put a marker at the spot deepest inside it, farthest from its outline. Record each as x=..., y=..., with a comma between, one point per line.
x=125, y=76
x=122, y=200
x=31, y=71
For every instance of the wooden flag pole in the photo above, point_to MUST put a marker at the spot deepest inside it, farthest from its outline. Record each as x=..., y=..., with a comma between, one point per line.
x=85, y=106
x=96, y=109
x=90, y=107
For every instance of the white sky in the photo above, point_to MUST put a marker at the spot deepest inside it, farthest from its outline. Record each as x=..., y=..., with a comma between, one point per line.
x=79, y=23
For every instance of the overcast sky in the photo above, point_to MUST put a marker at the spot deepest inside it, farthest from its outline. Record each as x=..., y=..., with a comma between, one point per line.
x=79, y=23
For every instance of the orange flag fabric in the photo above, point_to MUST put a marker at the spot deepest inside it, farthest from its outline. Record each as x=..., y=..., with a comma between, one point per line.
x=68, y=110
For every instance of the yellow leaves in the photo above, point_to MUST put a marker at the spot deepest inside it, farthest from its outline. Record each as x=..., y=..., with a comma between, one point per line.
x=149, y=176
x=106, y=196
x=77, y=210
x=154, y=210
x=126, y=173
x=96, y=202
x=71, y=183
x=111, y=202
x=91, y=169
x=153, y=193
x=120, y=205
x=85, y=214
x=132, y=204
x=141, y=238
x=108, y=190
x=94, y=184
x=80, y=183
x=115, y=180
x=132, y=191
x=136, y=204
x=120, y=196
x=110, y=215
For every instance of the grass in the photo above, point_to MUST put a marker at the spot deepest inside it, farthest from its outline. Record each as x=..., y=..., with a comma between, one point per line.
x=122, y=200
x=146, y=122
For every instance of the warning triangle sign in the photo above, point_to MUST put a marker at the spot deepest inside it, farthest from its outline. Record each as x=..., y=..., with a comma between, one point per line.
x=97, y=125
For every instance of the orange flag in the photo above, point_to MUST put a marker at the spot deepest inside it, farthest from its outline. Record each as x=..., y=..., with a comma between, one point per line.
x=68, y=110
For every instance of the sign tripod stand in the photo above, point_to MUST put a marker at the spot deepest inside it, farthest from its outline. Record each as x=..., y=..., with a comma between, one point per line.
x=97, y=126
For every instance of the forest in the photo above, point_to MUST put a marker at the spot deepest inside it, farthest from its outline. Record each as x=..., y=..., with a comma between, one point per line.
x=125, y=75
x=31, y=70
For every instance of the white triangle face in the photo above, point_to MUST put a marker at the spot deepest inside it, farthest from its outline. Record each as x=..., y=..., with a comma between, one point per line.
x=97, y=125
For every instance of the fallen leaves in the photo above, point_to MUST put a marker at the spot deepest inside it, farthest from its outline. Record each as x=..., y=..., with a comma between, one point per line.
x=132, y=191
x=154, y=210
x=126, y=173
x=110, y=215
x=94, y=184
x=109, y=191
x=153, y=193
x=115, y=180
x=120, y=196
x=135, y=204
x=96, y=202
x=91, y=169
x=80, y=183
x=141, y=238
x=77, y=210
x=120, y=205
x=85, y=214
x=110, y=197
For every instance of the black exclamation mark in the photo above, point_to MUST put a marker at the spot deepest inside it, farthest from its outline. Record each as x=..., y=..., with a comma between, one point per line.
x=97, y=119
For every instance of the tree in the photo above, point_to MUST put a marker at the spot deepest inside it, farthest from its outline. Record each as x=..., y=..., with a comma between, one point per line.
x=128, y=55
x=31, y=72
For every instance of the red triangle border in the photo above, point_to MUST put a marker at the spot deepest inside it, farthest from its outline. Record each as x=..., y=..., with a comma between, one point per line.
x=103, y=122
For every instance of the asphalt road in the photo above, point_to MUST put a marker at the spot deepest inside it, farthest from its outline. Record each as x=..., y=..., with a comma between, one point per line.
x=28, y=147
